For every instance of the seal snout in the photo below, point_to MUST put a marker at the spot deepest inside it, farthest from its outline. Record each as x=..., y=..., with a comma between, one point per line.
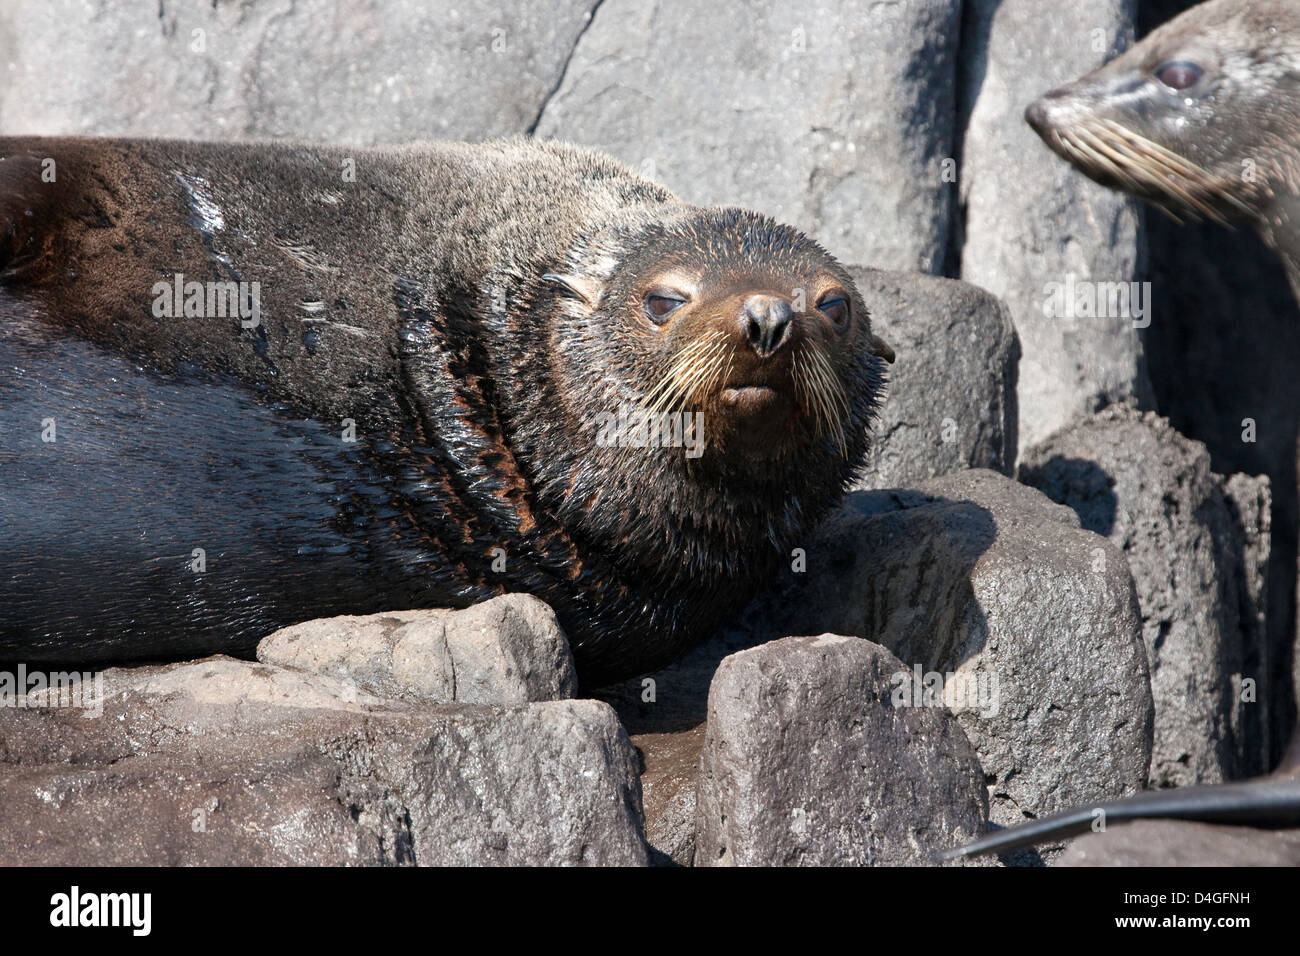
x=1036, y=115
x=1050, y=111
x=766, y=323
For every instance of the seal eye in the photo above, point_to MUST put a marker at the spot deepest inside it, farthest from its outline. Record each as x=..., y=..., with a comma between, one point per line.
x=1179, y=74
x=836, y=308
x=659, y=306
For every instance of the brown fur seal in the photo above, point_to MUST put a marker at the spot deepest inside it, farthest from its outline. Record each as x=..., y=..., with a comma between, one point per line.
x=248, y=385
x=1201, y=118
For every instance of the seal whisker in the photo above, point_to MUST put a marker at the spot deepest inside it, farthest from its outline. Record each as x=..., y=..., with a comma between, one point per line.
x=670, y=387
x=831, y=406
x=1154, y=173
x=701, y=369
x=1154, y=177
x=1170, y=178
x=1121, y=163
x=687, y=377
x=1197, y=177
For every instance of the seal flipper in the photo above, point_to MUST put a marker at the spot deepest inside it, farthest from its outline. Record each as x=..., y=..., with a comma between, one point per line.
x=1266, y=802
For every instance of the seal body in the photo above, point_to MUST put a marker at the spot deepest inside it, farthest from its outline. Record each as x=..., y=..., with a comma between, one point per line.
x=249, y=385
x=1202, y=118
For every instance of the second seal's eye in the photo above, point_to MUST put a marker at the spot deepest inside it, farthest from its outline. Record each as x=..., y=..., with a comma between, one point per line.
x=1179, y=74
x=659, y=306
x=836, y=308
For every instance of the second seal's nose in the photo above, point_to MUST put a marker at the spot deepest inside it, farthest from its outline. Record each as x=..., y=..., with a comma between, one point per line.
x=1049, y=111
x=766, y=322
x=1036, y=116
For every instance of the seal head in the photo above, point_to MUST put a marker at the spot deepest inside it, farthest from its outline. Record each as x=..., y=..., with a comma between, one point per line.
x=730, y=314
x=734, y=358
x=1202, y=118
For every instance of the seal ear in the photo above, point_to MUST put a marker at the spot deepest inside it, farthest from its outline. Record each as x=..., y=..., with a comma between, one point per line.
x=881, y=348
x=584, y=289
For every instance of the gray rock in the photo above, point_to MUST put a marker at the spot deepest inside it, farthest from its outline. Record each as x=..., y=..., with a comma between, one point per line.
x=807, y=761
x=389, y=71
x=1178, y=843
x=229, y=762
x=984, y=578
x=1031, y=219
x=509, y=650
x=1199, y=556
x=783, y=107
x=951, y=402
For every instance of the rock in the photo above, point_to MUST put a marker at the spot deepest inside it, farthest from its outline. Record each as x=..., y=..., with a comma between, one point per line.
x=1031, y=219
x=794, y=124
x=509, y=650
x=393, y=71
x=1245, y=404
x=1179, y=843
x=807, y=761
x=1199, y=556
x=951, y=402
x=229, y=762
x=976, y=576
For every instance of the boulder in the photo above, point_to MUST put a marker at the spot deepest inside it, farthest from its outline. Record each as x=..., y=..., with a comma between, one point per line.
x=509, y=650
x=384, y=72
x=951, y=399
x=1180, y=843
x=809, y=760
x=781, y=104
x=980, y=582
x=230, y=762
x=1034, y=224
x=1198, y=547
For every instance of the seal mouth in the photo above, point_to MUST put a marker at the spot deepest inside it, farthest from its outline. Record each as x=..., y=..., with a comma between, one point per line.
x=1121, y=158
x=802, y=383
x=753, y=399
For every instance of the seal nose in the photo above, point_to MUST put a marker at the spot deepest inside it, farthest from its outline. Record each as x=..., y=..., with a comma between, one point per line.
x=1036, y=115
x=1056, y=110
x=766, y=322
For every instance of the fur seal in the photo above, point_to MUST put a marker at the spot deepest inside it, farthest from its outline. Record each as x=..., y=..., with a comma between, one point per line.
x=1202, y=119
x=248, y=385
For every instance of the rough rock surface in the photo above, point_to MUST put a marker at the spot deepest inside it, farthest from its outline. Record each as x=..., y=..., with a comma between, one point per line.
x=792, y=127
x=390, y=71
x=509, y=650
x=1198, y=549
x=230, y=762
x=951, y=402
x=1032, y=219
x=980, y=576
x=1179, y=843
x=808, y=761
